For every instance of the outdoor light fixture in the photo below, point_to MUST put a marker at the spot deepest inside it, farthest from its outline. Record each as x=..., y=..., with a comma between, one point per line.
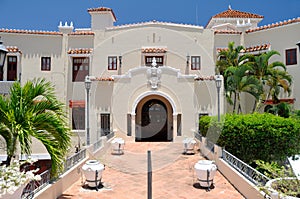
x=218, y=85
x=87, y=83
x=298, y=44
x=187, y=60
x=3, y=52
x=120, y=60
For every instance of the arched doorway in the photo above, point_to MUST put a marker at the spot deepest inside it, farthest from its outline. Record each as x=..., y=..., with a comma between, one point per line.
x=154, y=121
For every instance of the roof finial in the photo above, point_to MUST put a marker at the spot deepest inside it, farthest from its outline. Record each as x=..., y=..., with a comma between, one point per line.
x=229, y=7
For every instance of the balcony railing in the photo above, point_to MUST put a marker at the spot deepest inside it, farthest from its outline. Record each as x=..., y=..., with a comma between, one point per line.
x=247, y=171
x=35, y=186
x=97, y=145
x=74, y=159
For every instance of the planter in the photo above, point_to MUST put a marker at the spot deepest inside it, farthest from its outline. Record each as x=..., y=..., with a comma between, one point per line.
x=188, y=145
x=275, y=194
x=205, y=171
x=92, y=171
x=117, y=146
x=16, y=195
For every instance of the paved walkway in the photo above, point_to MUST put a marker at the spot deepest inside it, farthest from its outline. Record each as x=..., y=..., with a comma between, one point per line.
x=173, y=176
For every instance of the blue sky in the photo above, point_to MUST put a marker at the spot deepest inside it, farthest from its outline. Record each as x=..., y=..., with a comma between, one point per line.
x=46, y=14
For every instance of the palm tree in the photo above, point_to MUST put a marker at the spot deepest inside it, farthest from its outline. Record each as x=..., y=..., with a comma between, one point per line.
x=239, y=81
x=269, y=74
x=229, y=57
x=34, y=111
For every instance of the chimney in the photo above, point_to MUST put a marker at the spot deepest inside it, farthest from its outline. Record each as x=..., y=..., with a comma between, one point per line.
x=65, y=29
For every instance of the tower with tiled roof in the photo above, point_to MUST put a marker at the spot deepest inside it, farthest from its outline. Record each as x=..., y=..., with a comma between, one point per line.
x=101, y=18
x=233, y=20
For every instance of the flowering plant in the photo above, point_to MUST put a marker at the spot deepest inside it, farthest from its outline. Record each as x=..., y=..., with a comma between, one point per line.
x=11, y=178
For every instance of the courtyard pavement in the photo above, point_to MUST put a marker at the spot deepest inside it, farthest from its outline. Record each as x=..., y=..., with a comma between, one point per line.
x=173, y=175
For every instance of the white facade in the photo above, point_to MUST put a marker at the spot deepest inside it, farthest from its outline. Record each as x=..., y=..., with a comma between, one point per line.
x=127, y=96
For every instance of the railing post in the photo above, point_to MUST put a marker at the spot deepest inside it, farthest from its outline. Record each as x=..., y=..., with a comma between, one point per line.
x=149, y=176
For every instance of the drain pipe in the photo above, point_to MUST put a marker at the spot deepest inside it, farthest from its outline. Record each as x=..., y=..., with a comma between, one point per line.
x=149, y=176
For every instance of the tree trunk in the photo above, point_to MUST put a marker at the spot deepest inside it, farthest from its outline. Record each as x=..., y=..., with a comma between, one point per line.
x=11, y=149
x=8, y=160
x=234, y=102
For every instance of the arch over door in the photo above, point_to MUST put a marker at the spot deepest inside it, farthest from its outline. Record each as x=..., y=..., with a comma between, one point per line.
x=154, y=121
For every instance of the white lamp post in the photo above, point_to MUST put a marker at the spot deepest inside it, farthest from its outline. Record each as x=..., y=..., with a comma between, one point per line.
x=3, y=52
x=218, y=85
x=87, y=83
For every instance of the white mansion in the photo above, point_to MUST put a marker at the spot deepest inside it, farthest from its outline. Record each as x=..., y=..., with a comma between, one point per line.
x=150, y=80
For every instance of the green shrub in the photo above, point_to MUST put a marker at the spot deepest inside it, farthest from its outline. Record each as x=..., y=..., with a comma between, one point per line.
x=256, y=136
x=204, y=124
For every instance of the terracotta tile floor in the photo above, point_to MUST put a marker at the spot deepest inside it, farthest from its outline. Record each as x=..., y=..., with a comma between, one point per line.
x=173, y=176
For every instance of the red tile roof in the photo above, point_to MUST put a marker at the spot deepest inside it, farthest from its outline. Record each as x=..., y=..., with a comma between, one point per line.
x=154, y=50
x=250, y=48
x=210, y=78
x=236, y=14
x=286, y=100
x=278, y=24
x=227, y=32
x=103, y=9
x=80, y=51
x=104, y=79
x=82, y=33
x=30, y=32
x=76, y=103
x=13, y=49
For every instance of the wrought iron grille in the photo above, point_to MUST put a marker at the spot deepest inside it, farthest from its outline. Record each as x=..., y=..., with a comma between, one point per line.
x=247, y=171
x=97, y=145
x=74, y=159
x=198, y=136
x=35, y=186
x=110, y=135
x=210, y=145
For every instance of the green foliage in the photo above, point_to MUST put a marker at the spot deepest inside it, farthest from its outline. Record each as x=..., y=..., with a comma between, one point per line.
x=270, y=169
x=258, y=136
x=253, y=74
x=284, y=184
x=33, y=111
x=204, y=124
x=281, y=109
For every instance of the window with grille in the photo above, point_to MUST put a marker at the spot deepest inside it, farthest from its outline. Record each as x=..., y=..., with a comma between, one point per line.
x=80, y=68
x=11, y=68
x=46, y=63
x=78, y=118
x=291, y=56
x=105, y=123
x=159, y=60
x=195, y=63
x=112, y=63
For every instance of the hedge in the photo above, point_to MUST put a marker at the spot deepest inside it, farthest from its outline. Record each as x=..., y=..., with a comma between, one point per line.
x=253, y=137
